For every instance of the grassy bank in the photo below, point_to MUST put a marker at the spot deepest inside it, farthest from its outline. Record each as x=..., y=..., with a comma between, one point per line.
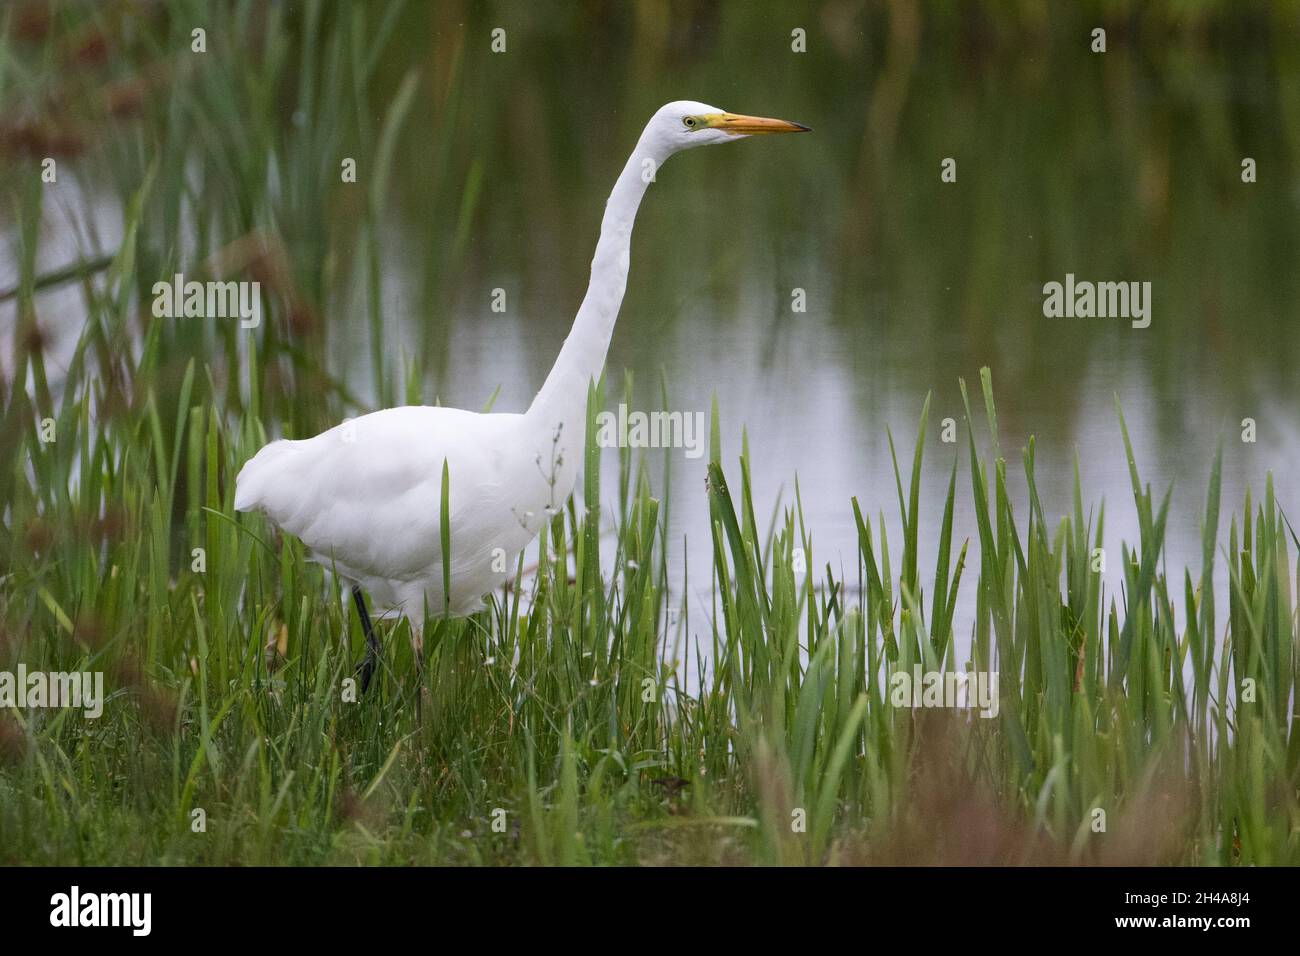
x=1146, y=726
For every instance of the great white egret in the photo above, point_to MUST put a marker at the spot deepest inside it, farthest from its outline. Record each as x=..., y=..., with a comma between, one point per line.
x=366, y=496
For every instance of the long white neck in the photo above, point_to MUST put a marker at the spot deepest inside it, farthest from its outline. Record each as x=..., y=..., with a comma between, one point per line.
x=561, y=403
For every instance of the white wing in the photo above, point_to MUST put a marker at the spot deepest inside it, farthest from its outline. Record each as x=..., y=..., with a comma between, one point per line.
x=367, y=493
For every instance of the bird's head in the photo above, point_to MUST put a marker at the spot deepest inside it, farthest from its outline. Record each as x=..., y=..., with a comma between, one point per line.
x=684, y=124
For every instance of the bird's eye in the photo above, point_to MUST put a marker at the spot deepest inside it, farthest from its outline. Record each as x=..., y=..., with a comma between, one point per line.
x=689, y=121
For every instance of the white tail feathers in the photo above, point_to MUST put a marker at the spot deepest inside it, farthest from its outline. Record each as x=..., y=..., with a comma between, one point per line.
x=251, y=484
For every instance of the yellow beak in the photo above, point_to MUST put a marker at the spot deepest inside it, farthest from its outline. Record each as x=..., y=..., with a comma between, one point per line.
x=753, y=125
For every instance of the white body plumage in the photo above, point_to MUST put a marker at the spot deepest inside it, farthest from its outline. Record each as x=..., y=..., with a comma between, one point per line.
x=366, y=497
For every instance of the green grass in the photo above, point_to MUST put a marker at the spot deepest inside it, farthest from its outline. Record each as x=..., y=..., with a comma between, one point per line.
x=581, y=704
x=556, y=706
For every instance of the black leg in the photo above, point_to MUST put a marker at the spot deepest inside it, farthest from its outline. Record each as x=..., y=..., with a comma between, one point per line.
x=366, y=668
x=417, y=649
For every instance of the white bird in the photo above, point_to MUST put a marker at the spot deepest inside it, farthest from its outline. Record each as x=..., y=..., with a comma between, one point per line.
x=365, y=496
